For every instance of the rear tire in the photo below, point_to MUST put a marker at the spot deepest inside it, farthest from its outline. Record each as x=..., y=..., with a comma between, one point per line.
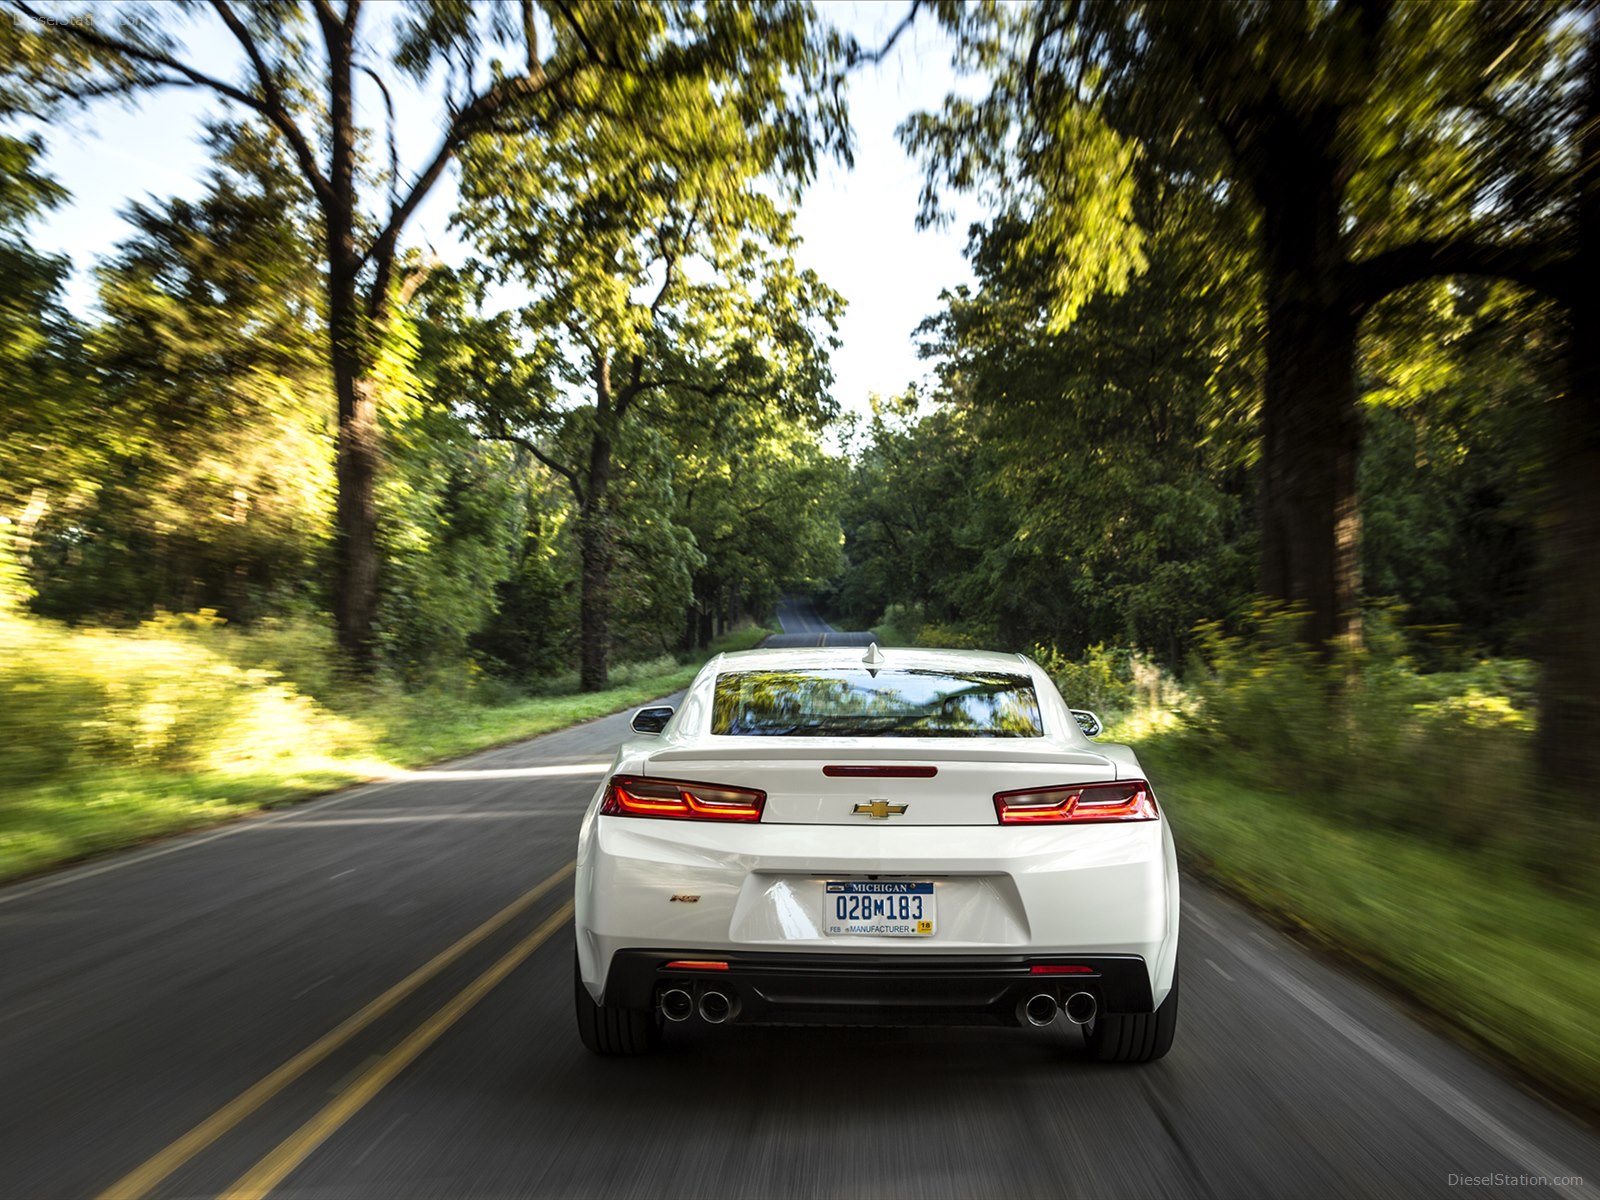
x=608, y=1029
x=1134, y=1037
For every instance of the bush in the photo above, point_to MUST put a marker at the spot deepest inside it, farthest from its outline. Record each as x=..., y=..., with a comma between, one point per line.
x=953, y=637
x=1365, y=737
x=108, y=737
x=900, y=625
x=1102, y=680
x=170, y=695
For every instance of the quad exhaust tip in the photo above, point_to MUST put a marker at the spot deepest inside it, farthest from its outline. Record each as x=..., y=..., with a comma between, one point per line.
x=1040, y=1009
x=715, y=1008
x=676, y=1004
x=1080, y=1008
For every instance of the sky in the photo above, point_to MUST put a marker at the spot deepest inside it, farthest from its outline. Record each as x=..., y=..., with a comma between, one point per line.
x=858, y=225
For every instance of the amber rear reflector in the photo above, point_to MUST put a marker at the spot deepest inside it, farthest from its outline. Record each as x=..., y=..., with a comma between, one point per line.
x=851, y=772
x=695, y=964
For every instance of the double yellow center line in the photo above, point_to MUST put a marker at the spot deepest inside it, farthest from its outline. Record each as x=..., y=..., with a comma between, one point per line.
x=266, y=1174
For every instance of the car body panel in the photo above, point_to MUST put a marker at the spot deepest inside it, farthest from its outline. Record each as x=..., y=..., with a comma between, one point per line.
x=1106, y=889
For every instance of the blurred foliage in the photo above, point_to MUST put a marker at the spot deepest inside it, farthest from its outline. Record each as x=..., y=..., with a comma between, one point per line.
x=1338, y=156
x=170, y=695
x=1104, y=680
x=1371, y=740
x=211, y=482
x=110, y=736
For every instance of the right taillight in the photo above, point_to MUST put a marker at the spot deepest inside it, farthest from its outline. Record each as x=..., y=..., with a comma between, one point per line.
x=683, y=799
x=1077, y=804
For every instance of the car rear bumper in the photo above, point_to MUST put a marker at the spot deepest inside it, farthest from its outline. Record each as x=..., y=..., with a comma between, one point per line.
x=1009, y=898
x=867, y=989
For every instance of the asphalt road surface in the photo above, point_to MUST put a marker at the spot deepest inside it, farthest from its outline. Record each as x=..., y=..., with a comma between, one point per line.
x=803, y=627
x=370, y=996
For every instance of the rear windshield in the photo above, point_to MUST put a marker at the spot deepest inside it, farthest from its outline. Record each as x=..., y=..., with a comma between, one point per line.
x=861, y=703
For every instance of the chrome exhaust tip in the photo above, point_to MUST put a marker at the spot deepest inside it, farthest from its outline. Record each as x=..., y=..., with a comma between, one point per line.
x=1080, y=1008
x=1040, y=1009
x=677, y=1004
x=715, y=1008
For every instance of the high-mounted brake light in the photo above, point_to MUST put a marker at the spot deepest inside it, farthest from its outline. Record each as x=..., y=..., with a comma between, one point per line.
x=641, y=796
x=1077, y=804
x=865, y=772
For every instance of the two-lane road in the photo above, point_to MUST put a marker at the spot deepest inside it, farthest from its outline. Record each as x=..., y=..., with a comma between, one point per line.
x=370, y=996
x=803, y=627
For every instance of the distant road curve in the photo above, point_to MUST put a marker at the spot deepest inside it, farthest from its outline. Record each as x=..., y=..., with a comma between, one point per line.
x=803, y=627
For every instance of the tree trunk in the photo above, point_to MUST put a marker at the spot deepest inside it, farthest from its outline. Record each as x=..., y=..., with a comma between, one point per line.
x=691, y=624
x=1568, y=739
x=355, y=588
x=355, y=582
x=595, y=549
x=1311, y=434
x=595, y=553
x=1311, y=443
x=1569, y=614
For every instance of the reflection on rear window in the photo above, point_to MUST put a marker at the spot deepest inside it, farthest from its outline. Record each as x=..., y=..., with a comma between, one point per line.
x=860, y=703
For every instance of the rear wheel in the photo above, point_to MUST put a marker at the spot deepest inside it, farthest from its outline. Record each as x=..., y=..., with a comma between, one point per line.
x=607, y=1029
x=1134, y=1037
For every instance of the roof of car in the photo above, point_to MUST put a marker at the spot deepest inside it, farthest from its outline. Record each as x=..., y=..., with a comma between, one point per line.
x=840, y=657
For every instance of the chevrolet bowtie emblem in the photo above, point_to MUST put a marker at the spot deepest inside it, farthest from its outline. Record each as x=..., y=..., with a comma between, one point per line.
x=880, y=810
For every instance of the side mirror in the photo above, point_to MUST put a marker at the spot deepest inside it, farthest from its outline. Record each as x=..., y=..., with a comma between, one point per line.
x=652, y=720
x=1087, y=721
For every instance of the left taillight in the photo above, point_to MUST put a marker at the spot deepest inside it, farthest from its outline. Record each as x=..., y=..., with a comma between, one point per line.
x=682, y=799
x=1077, y=804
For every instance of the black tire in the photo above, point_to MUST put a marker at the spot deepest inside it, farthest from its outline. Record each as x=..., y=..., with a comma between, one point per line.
x=606, y=1029
x=1134, y=1037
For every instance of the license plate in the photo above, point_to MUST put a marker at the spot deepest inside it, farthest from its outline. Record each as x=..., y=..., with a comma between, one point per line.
x=886, y=909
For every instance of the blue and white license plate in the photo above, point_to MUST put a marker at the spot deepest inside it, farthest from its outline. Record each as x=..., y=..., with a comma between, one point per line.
x=883, y=908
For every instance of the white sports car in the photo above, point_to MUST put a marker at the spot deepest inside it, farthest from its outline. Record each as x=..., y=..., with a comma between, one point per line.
x=904, y=837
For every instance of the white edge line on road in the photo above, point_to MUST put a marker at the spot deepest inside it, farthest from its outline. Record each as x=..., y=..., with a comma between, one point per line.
x=184, y=842
x=453, y=776
x=247, y=823
x=1444, y=1095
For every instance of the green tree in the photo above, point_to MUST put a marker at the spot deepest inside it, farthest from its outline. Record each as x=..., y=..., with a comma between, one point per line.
x=1378, y=144
x=1369, y=159
x=505, y=69
x=913, y=515
x=48, y=446
x=1459, y=380
x=661, y=272
x=761, y=499
x=212, y=485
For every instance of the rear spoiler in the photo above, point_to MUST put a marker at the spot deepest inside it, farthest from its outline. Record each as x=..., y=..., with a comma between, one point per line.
x=828, y=750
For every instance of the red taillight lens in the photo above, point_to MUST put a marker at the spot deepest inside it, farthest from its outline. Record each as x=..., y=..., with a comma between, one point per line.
x=638, y=796
x=1078, y=804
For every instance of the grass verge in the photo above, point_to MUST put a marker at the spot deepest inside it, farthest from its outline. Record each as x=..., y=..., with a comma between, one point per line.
x=80, y=810
x=1508, y=962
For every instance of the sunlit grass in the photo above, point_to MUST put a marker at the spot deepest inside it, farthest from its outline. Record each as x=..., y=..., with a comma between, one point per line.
x=109, y=738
